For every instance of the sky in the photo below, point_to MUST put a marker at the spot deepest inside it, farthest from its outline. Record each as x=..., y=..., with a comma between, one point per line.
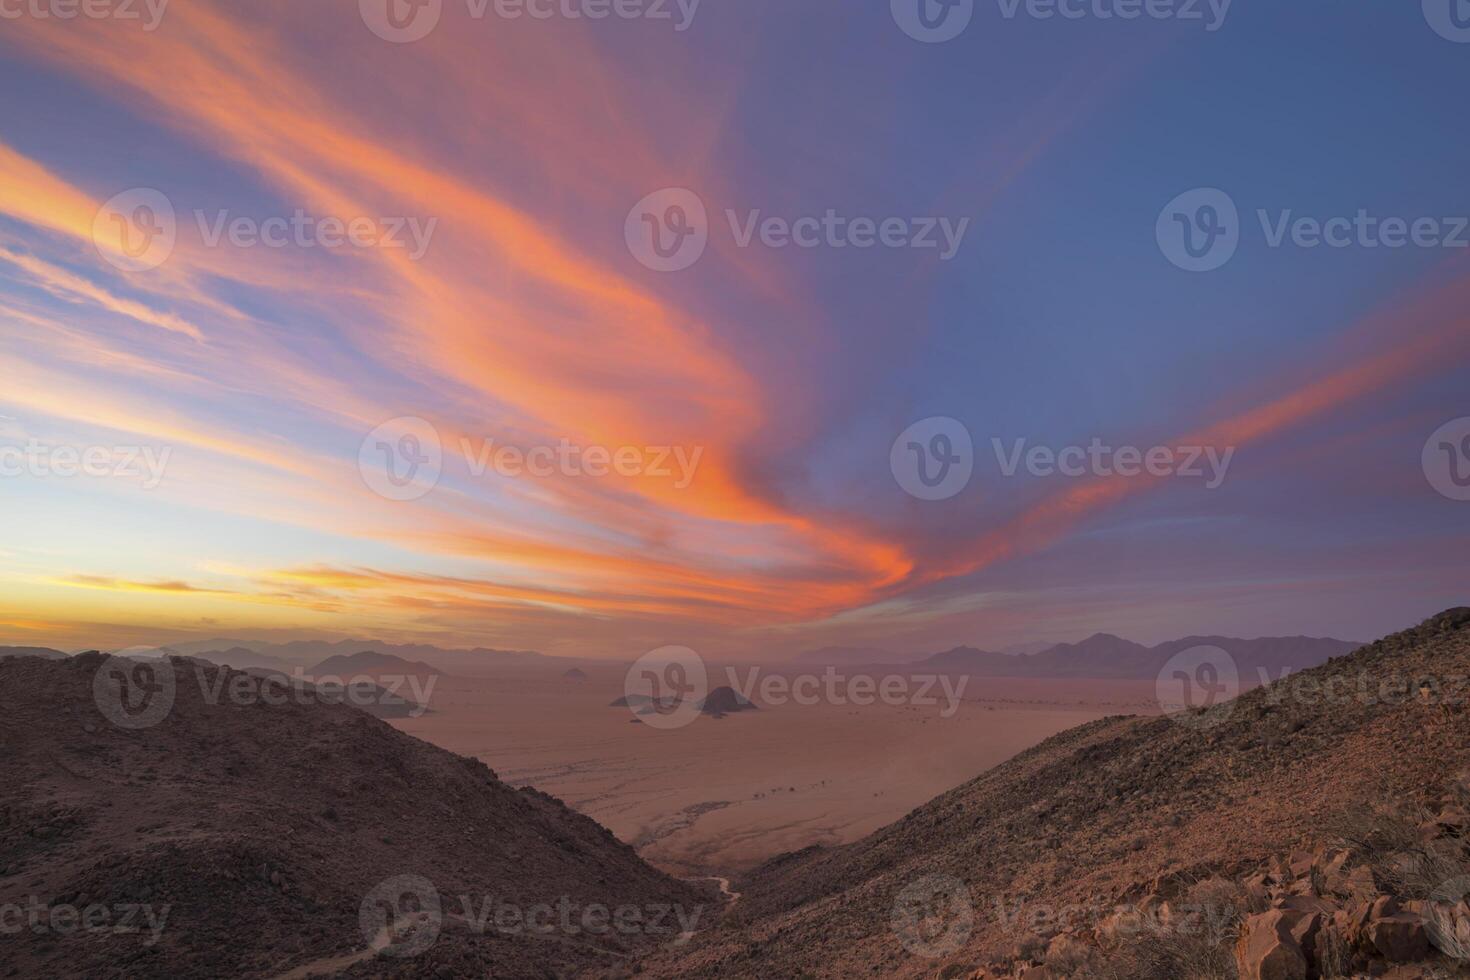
x=348, y=319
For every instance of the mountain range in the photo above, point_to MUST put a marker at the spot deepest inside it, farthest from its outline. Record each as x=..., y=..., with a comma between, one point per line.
x=1102, y=656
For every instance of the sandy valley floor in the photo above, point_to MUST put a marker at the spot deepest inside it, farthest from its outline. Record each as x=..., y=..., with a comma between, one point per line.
x=722, y=794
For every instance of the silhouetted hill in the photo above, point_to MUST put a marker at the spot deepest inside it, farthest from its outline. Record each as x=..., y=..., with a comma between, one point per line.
x=272, y=833
x=371, y=663
x=45, y=653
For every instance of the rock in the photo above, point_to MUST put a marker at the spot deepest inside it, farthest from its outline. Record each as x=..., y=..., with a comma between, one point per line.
x=1307, y=904
x=1385, y=906
x=1267, y=950
x=1400, y=938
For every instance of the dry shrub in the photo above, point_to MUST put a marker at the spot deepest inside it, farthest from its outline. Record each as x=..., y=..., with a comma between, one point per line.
x=1172, y=956
x=1334, y=956
x=1402, y=863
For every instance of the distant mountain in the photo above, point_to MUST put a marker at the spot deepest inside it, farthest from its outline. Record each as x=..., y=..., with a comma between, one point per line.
x=575, y=674
x=1016, y=649
x=45, y=653
x=243, y=658
x=725, y=700
x=306, y=652
x=1104, y=656
x=371, y=663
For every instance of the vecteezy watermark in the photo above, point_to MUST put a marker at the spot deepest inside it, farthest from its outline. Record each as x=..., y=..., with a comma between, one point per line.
x=1446, y=459
x=150, y=12
x=670, y=688
x=666, y=688
x=303, y=230
x=934, y=459
x=1317, y=689
x=840, y=688
x=936, y=21
x=1201, y=230
x=1197, y=686
x=134, y=693
x=934, y=916
x=39, y=460
x=403, y=459
x=669, y=230
x=405, y=21
x=1449, y=18
x=95, y=918
x=1207, y=463
x=403, y=916
x=138, y=230
x=566, y=458
x=1119, y=920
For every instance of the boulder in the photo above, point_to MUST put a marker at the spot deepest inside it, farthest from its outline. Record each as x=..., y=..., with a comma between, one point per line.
x=1400, y=938
x=1267, y=950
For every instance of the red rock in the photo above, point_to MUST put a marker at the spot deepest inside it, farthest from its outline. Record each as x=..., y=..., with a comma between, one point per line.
x=1308, y=904
x=1266, y=949
x=1400, y=938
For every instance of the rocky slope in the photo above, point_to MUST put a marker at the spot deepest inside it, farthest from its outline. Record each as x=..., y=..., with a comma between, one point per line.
x=1134, y=813
x=241, y=835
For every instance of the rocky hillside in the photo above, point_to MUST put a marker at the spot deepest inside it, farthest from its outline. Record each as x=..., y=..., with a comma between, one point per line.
x=1301, y=830
x=243, y=833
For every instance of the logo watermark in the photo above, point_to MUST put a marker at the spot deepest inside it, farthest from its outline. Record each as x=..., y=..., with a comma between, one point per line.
x=95, y=918
x=1197, y=686
x=1120, y=920
x=670, y=687
x=134, y=693
x=668, y=231
x=934, y=459
x=933, y=917
x=1201, y=230
x=831, y=686
x=302, y=230
x=1209, y=464
x=403, y=916
x=403, y=459
x=666, y=688
x=1446, y=459
x=40, y=460
x=149, y=12
x=136, y=230
x=406, y=21
x=1450, y=19
x=937, y=21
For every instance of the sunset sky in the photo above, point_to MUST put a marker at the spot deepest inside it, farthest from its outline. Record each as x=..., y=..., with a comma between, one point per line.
x=519, y=147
